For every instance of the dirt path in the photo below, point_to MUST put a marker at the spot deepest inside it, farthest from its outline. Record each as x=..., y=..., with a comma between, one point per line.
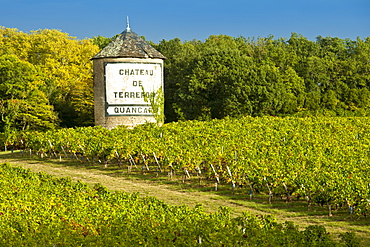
x=210, y=201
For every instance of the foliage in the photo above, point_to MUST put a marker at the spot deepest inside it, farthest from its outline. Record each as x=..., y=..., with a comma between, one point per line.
x=221, y=77
x=73, y=214
x=62, y=65
x=101, y=41
x=226, y=76
x=156, y=101
x=24, y=104
x=320, y=160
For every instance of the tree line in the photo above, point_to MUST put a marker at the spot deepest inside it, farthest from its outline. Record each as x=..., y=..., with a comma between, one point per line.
x=237, y=76
x=46, y=80
x=46, y=77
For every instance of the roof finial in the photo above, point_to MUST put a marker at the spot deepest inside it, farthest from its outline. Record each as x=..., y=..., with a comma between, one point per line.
x=128, y=29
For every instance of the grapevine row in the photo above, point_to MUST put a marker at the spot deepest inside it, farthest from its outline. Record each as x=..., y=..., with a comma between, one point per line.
x=324, y=160
x=40, y=210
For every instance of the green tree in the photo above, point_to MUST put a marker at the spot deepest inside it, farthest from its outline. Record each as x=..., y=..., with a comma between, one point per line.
x=101, y=41
x=335, y=72
x=177, y=68
x=235, y=76
x=23, y=103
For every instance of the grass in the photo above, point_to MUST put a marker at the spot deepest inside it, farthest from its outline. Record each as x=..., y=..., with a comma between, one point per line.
x=179, y=191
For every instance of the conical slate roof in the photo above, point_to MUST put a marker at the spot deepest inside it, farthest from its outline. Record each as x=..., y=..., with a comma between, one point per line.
x=128, y=45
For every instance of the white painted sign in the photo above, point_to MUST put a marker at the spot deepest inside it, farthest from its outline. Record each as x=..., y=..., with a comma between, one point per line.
x=127, y=85
x=141, y=110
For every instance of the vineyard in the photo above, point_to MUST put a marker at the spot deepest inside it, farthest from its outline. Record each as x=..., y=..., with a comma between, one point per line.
x=37, y=209
x=322, y=161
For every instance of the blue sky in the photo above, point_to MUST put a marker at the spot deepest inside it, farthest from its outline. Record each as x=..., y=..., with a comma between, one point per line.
x=190, y=19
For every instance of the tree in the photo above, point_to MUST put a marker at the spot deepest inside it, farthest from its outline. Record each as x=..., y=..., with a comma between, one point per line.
x=23, y=103
x=177, y=68
x=66, y=66
x=233, y=77
x=70, y=74
x=101, y=41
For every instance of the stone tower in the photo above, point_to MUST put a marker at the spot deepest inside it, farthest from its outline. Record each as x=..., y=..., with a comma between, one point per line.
x=128, y=82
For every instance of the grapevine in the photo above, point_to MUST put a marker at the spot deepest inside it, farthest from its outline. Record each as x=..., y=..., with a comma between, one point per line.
x=324, y=160
x=40, y=210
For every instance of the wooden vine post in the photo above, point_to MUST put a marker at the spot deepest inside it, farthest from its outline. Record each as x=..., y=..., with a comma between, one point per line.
x=216, y=176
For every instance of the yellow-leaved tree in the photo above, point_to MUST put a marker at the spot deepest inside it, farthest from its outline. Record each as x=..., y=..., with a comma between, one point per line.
x=23, y=103
x=65, y=68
